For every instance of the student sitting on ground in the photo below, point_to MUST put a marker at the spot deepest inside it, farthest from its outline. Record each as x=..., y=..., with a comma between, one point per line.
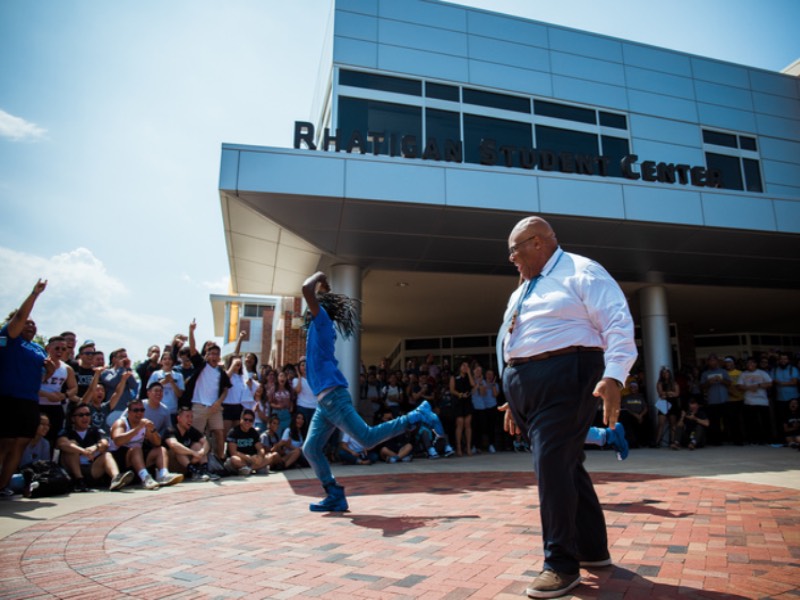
x=353, y=453
x=84, y=453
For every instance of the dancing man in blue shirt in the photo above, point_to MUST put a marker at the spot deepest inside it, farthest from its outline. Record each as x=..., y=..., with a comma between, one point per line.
x=335, y=410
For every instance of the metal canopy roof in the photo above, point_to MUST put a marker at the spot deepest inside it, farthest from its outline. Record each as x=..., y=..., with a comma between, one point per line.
x=433, y=270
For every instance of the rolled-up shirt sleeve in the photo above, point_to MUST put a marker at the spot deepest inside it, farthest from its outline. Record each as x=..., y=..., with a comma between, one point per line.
x=608, y=311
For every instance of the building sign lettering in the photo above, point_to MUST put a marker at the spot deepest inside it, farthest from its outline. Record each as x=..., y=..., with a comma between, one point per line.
x=407, y=146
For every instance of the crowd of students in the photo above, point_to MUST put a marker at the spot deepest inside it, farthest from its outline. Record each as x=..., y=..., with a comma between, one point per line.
x=729, y=401
x=183, y=412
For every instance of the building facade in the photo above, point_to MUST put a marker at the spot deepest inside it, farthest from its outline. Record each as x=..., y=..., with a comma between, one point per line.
x=436, y=127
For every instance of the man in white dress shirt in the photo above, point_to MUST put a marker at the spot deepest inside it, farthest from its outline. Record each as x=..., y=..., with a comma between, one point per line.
x=567, y=340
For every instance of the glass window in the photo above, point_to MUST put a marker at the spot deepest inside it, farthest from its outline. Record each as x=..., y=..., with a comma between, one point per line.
x=493, y=100
x=747, y=143
x=752, y=175
x=503, y=132
x=614, y=149
x=565, y=140
x=441, y=91
x=383, y=83
x=719, y=139
x=255, y=310
x=356, y=114
x=729, y=167
x=473, y=341
x=422, y=344
x=613, y=120
x=443, y=126
x=563, y=111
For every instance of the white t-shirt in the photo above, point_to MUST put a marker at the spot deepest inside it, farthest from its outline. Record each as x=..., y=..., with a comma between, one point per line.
x=287, y=437
x=206, y=391
x=352, y=444
x=756, y=397
x=306, y=397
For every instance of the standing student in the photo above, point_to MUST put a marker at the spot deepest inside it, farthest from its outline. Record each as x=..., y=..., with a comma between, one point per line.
x=22, y=368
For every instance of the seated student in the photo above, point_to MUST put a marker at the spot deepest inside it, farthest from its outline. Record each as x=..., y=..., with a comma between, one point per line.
x=187, y=448
x=135, y=443
x=84, y=452
x=246, y=453
x=155, y=410
x=95, y=396
x=429, y=442
x=293, y=436
x=692, y=427
x=352, y=453
x=791, y=424
x=37, y=449
x=398, y=448
x=284, y=454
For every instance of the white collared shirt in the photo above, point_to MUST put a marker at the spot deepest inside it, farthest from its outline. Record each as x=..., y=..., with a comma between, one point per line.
x=574, y=303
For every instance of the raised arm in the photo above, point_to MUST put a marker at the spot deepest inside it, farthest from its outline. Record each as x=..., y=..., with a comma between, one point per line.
x=112, y=402
x=17, y=322
x=242, y=335
x=192, y=344
x=87, y=396
x=310, y=286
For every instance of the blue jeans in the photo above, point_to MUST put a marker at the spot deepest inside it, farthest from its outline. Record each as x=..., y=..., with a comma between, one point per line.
x=336, y=411
x=284, y=419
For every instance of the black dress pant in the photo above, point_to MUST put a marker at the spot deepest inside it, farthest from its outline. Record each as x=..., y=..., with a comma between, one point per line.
x=551, y=401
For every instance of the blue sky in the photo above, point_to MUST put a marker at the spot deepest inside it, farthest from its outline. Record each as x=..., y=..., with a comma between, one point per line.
x=112, y=115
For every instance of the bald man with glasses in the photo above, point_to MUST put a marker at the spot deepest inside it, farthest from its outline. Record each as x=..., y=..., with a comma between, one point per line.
x=567, y=340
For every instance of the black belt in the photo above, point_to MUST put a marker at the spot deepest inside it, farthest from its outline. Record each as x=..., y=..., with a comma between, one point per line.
x=553, y=353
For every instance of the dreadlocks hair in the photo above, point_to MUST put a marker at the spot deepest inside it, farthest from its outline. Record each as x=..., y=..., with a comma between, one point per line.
x=343, y=311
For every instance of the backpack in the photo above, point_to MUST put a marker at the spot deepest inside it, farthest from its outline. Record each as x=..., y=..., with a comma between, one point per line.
x=50, y=479
x=216, y=466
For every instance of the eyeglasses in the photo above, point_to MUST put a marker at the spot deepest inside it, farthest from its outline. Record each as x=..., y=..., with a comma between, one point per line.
x=136, y=410
x=247, y=420
x=515, y=248
x=86, y=414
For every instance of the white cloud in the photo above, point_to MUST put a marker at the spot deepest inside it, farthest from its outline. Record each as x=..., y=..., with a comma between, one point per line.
x=18, y=129
x=220, y=286
x=81, y=296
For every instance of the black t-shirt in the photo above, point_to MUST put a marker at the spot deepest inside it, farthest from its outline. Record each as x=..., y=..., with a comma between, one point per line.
x=84, y=377
x=245, y=441
x=191, y=436
x=633, y=403
x=90, y=437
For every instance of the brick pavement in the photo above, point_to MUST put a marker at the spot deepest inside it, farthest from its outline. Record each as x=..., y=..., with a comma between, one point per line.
x=409, y=535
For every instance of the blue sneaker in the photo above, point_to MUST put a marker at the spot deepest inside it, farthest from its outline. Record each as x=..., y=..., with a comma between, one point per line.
x=429, y=418
x=335, y=501
x=616, y=437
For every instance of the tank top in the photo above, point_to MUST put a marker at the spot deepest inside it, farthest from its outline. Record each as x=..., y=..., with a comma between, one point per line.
x=54, y=383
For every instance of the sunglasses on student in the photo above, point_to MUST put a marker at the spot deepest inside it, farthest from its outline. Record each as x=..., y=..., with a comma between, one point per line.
x=83, y=414
x=136, y=410
x=248, y=420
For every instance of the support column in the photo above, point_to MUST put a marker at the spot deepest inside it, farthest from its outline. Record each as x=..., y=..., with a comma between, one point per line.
x=655, y=338
x=346, y=279
x=226, y=325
